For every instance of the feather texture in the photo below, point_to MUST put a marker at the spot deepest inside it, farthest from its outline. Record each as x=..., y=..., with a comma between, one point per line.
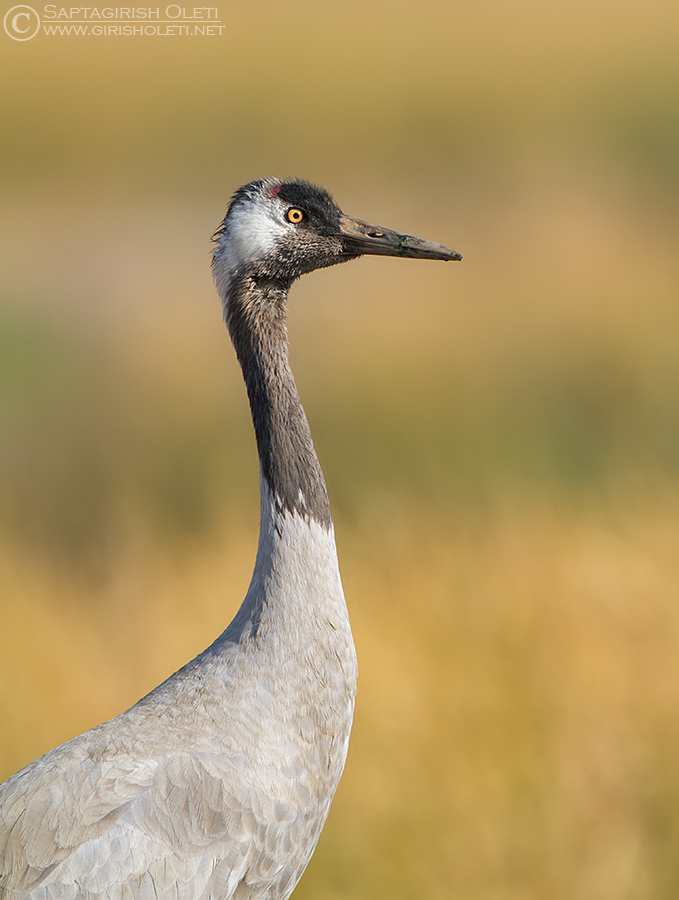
x=217, y=783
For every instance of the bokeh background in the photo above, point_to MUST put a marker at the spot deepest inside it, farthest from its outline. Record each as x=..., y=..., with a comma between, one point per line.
x=500, y=437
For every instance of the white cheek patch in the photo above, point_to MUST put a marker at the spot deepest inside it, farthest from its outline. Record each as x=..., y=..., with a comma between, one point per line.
x=251, y=235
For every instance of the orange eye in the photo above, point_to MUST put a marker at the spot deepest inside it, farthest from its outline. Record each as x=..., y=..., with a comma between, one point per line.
x=294, y=215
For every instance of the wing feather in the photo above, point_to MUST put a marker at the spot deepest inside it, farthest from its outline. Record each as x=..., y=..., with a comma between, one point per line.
x=172, y=828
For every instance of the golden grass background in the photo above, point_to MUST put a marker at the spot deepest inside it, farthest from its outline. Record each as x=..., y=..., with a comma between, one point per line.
x=500, y=437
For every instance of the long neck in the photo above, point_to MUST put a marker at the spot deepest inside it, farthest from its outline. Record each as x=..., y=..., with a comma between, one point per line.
x=255, y=317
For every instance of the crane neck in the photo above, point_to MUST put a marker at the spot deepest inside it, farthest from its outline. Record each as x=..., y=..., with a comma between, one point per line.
x=255, y=315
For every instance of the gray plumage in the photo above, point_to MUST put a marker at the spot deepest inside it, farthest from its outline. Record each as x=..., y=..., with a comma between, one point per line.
x=217, y=783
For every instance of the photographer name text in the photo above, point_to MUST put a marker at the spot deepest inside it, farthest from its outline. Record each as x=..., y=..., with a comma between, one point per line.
x=131, y=13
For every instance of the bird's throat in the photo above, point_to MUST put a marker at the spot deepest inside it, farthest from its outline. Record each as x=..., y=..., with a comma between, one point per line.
x=256, y=318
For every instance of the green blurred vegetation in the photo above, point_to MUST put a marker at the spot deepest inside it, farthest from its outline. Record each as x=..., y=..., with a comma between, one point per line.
x=500, y=438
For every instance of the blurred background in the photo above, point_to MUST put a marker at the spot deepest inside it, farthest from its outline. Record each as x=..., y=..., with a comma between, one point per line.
x=500, y=437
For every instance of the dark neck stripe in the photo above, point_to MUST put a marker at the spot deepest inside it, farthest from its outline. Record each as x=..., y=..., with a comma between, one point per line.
x=255, y=317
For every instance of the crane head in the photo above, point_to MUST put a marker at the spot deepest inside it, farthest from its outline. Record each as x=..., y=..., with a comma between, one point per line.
x=283, y=229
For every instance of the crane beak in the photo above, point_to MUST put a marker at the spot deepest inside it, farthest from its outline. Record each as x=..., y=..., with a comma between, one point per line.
x=361, y=238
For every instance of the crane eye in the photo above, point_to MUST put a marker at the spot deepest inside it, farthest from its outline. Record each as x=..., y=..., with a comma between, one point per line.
x=294, y=215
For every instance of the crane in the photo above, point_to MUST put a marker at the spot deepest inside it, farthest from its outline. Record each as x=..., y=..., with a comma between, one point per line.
x=216, y=784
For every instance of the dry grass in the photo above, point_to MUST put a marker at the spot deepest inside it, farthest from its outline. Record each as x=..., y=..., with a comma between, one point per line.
x=516, y=732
